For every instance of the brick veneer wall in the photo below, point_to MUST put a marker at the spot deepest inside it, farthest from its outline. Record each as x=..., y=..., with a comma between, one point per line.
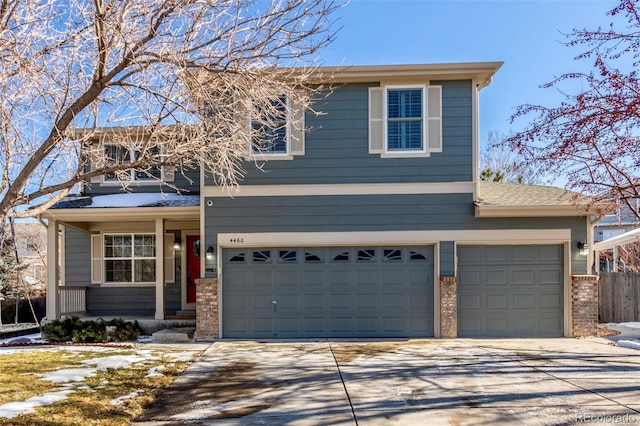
x=584, y=305
x=207, y=309
x=448, y=307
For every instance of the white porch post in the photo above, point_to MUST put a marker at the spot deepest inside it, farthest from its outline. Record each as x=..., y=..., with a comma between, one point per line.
x=159, y=269
x=53, y=246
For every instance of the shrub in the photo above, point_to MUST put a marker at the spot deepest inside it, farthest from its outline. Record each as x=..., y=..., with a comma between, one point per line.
x=76, y=330
x=61, y=330
x=124, y=330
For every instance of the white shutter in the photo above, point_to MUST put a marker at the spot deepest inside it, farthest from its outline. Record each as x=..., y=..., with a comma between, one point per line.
x=93, y=160
x=376, y=120
x=96, y=259
x=169, y=259
x=296, y=130
x=434, y=118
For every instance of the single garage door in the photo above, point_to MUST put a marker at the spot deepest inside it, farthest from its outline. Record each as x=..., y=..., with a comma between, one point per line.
x=510, y=291
x=327, y=292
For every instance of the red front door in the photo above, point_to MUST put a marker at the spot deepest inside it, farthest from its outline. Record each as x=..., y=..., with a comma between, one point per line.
x=193, y=266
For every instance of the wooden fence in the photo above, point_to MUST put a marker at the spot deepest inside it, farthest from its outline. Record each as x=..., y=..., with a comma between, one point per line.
x=619, y=297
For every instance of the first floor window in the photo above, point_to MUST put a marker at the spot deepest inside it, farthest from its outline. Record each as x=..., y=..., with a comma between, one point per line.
x=130, y=258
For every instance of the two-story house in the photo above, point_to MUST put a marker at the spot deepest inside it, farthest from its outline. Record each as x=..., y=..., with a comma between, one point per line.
x=371, y=223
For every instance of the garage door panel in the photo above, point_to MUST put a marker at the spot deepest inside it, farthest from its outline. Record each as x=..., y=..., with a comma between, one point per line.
x=495, y=254
x=522, y=277
x=419, y=302
x=524, y=322
x=468, y=324
x=550, y=276
x=494, y=301
x=468, y=302
x=522, y=254
x=393, y=301
x=523, y=301
x=340, y=278
x=367, y=324
x=494, y=277
x=550, y=253
x=496, y=323
x=367, y=301
x=529, y=302
x=314, y=301
x=341, y=324
x=468, y=278
x=328, y=292
x=366, y=278
x=340, y=301
x=393, y=324
x=550, y=301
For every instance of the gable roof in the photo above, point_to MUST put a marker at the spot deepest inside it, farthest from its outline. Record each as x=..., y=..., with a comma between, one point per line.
x=504, y=199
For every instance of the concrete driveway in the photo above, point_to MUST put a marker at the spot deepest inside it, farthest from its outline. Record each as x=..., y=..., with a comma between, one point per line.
x=461, y=381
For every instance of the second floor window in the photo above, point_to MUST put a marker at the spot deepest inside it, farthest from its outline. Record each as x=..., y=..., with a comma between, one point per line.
x=405, y=120
x=271, y=138
x=123, y=154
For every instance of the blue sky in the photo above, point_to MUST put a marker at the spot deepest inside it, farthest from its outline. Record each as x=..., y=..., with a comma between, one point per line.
x=525, y=35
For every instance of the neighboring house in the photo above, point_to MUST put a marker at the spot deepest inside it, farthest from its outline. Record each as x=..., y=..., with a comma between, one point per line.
x=31, y=242
x=371, y=224
x=623, y=257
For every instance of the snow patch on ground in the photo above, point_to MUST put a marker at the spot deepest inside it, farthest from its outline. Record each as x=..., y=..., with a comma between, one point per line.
x=630, y=324
x=121, y=399
x=13, y=409
x=631, y=344
x=73, y=378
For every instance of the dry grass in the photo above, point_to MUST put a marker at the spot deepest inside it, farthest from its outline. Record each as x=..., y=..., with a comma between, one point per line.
x=91, y=406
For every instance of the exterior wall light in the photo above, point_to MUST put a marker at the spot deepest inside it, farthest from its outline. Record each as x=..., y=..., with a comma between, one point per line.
x=583, y=248
x=210, y=253
x=177, y=244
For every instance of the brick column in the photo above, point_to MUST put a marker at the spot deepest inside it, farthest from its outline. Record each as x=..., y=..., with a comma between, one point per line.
x=207, y=327
x=584, y=305
x=449, y=307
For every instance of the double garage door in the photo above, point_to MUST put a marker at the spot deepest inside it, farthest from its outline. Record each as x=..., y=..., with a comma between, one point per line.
x=510, y=291
x=309, y=292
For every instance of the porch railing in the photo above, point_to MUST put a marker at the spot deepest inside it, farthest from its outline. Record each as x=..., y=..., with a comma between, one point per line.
x=72, y=300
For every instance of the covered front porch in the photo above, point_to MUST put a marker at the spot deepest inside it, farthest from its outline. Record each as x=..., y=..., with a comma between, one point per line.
x=125, y=256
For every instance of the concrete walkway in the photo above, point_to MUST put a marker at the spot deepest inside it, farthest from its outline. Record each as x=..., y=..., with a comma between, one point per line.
x=461, y=381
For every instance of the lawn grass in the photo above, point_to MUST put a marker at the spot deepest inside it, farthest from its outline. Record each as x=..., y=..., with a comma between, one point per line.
x=90, y=404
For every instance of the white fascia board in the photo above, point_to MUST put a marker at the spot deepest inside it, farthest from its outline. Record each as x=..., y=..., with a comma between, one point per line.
x=416, y=237
x=530, y=211
x=88, y=214
x=339, y=189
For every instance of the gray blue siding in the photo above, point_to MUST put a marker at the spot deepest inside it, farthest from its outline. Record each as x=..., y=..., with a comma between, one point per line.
x=188, y=183
x=336, y=148
x=77, y=257
x=372, y=213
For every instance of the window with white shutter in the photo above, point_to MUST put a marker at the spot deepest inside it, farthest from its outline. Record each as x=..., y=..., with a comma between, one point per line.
x=405, y=121
x=284, y=139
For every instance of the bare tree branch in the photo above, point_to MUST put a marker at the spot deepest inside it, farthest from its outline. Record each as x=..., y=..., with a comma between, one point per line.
x=592, y=137
x=162, y=65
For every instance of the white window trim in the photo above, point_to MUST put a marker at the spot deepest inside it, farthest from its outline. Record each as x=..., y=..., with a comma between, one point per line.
x=105, y=283
x=269, y=156
x=424, y=119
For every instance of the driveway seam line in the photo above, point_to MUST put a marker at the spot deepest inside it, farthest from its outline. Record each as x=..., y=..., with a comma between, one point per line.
x=353, y=412
x=559, y=378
